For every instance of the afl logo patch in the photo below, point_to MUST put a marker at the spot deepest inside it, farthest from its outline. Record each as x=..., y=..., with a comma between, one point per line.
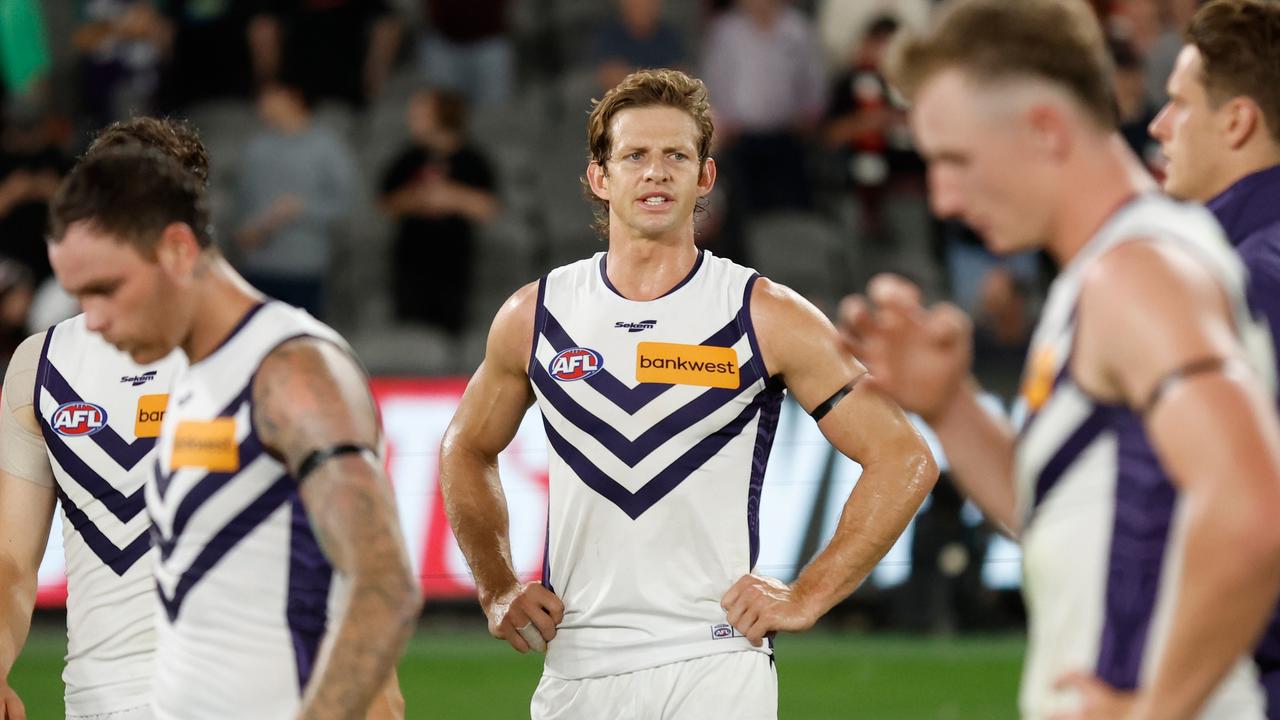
x=576, y=364
x=78, y=418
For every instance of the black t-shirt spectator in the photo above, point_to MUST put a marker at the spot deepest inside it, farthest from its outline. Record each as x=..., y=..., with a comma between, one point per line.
x=432, y=257
x=23, y=228
x=862, y=90
x=325, y=44
x=468, y=21
x=210, y=50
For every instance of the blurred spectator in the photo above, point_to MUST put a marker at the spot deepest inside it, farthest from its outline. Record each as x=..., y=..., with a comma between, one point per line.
x=764, y=71
x=122, y=44
x=636, y=38
x=842, y=22
x=296, y=185
x=1002, y=294
x=467, y=49
x=1154, y=30
x=1163, y=54
x=210, y=50
x=339, y=50
x=871, y=131
x=31, y=167
x=51, y=305
x=439, y=188
x=15, y=302
x=1136, y=110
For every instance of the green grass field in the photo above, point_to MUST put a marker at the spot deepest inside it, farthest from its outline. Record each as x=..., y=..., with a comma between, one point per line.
x=449, y=674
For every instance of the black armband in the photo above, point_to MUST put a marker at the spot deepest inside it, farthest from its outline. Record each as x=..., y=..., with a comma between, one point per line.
x=1191, y=369
x=320, y=457
x=825, y=406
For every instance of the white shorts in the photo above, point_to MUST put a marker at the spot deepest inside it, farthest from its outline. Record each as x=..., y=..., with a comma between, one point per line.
x=737, y=686
x=138, y=713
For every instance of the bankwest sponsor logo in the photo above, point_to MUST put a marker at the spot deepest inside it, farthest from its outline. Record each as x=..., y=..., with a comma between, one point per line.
x=576, y=364
x=207, y=444
x=142, y=379
x=75, y=419
x=672, y=364
x=150, y=413
x=636, y=327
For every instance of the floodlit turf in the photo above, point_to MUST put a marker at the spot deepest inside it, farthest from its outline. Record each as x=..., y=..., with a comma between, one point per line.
x=454, y=675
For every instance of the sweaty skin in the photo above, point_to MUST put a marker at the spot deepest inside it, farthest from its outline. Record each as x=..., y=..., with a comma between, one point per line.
x=651, y=181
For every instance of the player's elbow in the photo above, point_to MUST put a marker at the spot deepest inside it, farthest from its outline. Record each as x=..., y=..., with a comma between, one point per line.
x=407, y=599
x=1260, y=528
x=923, y=469
x=919, y=468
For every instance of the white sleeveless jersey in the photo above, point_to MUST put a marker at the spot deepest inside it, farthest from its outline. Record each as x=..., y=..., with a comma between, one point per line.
x=659, y=417
x=244, y=590
x=1100, y=548
x=100, y=413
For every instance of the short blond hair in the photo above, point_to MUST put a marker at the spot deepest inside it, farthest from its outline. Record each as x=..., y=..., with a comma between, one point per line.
x=1059, y=41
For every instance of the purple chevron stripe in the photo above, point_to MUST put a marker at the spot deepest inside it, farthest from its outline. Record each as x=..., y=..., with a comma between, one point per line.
x=604, y=275
x=206, y=488
x=539, y=319
x=748, y=327
x=1145, y=501
x=770, y=409
x=116, y=558
x=1070, y=451
x=227, y=538
x=233, y=407
x=117, y=503
x=635, y=504
x=631, y=400
x=307, y=603
x=632, y=452
x=126, y=453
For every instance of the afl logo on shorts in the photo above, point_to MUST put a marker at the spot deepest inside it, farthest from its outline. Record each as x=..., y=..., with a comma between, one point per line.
x=78, y=418
x=576, y=364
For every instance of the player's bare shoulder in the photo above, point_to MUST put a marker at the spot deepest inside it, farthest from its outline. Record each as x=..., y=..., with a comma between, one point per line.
x=309, y=393
x=789, y=328
x=511, y=334
x=1146, y=307
x=19, y=382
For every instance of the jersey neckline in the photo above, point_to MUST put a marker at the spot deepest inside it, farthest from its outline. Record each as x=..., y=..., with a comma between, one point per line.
x=604, y=275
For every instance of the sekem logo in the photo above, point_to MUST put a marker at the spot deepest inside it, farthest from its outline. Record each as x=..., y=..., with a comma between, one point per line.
x=74, y=419
x=576, y=364
x=142, y=379
x=636, y=327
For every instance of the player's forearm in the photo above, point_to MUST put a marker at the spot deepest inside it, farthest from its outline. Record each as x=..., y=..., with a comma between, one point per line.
x=477, y=510
x=1228, y=583
x=886, y=498
x=980, y=450
x=17, y=600
x=380, y=615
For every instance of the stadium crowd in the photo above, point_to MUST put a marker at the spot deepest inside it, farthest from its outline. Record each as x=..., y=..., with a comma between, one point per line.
x=397, y=167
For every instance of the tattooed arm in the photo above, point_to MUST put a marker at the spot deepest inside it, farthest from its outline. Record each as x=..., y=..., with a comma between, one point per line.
x=310, y=395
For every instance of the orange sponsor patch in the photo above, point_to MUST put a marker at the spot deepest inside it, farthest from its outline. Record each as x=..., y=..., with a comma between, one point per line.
x=1037, y=384
x=146, y=423
x=674, y=364
x=207, y=444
